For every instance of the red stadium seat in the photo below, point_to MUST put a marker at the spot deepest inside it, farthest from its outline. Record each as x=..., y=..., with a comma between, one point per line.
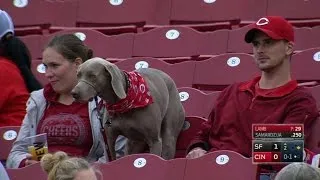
x=306, y=38
x=38, y=70
x=143, y=167
x=308, y=9
x=116, y=46
x=226, y=165
x=8, y=135
x=236, y=42
x=33, y=171
x=175, y=41
x=305, y=65
x=211, y=11
x=220, y=71
x=181, y=73
x=35, y=45
x=122, y=16
x=41, y=13
x=191, y=127
x=197, y=103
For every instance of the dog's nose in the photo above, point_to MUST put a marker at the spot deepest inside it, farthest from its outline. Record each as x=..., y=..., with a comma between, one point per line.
x=75, y=95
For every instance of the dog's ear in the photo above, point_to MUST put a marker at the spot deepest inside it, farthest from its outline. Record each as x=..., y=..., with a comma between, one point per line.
x=116, y=79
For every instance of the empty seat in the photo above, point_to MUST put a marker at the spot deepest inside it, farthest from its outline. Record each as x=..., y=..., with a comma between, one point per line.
x=175, y=41
x=143, y=167
x=8, y=135
x=41, y=13
x=123, y=15
x=116, y=46
x=191, y=127
x=305, y=65
x=197, y=103
x=220, y=71
x=236, y=42
x=33, y=171
x=307, y=9
x=38, y=69
x=226, y=165
x=206, y=11
x=181, y=73
x=306, y=38
x=35, y=45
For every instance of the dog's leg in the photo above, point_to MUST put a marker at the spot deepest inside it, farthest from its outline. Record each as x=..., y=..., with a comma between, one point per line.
x=135, y=147
x=155, y=146
x=171, y=128
x=111, y=142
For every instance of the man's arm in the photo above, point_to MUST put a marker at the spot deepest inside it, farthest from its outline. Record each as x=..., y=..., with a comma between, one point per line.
x=303, y=110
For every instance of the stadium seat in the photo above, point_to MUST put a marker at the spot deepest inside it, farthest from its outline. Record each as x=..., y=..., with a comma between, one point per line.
x=38, y=70
x=226, y=165
x=181, y=73
x=41, y=13
x=122, y=16
x=8, y=135
x=211, y=11
x=191, y=127
x=306, y=38
x=196, y=102
x=315, y=91
x=305, y=65
x=236, y=42
x=33, y=171
x=115, y=46
x=175, y=41
x=35, y=45
x=308, y=9
x=143, y=167
x=220, y=71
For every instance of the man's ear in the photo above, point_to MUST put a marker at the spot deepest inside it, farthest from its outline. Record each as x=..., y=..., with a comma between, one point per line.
x=289, y=50
x=78, y=61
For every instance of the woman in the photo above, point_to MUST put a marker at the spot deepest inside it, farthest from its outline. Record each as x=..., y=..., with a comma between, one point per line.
x=17, y=80
x=72, y=127
x=60, y=167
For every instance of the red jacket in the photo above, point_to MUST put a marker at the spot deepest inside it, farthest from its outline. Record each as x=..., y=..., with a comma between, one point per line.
x=13, y=95
x=243, y=104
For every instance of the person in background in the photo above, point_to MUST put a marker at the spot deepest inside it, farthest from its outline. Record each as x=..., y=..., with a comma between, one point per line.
x=72, y=127
x=59, y=166
x=298, y=171
x=17, y=80
x=272, y=98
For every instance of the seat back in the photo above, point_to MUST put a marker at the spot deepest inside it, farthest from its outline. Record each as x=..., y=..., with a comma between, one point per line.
x=196, y=102
x=8, y=135
x=35, y=12
x=179, y=41
x=33, y=171
x=224, y=164
x=143, y=167
x=181, y=73
x=116, y=46
x=220, y=71
x=305, y=65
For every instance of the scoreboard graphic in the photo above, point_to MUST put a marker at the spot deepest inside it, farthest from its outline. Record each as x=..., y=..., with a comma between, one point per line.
x=277, y=143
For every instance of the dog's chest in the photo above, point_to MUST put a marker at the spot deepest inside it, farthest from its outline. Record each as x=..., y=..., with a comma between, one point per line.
x=127, y=127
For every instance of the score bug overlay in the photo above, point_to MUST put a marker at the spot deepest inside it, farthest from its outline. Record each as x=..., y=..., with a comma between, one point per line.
x=277, y=143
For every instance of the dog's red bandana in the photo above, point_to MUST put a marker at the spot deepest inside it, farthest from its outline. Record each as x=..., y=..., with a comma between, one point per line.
x=138, y=95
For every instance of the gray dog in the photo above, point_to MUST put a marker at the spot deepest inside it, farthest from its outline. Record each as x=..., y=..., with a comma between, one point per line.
x=143, y=105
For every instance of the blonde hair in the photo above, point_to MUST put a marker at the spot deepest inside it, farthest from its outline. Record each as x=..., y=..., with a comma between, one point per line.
x=59, y=166
x=298, y=171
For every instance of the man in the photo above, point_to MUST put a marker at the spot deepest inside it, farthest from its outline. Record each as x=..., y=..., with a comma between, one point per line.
x=273, y=98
